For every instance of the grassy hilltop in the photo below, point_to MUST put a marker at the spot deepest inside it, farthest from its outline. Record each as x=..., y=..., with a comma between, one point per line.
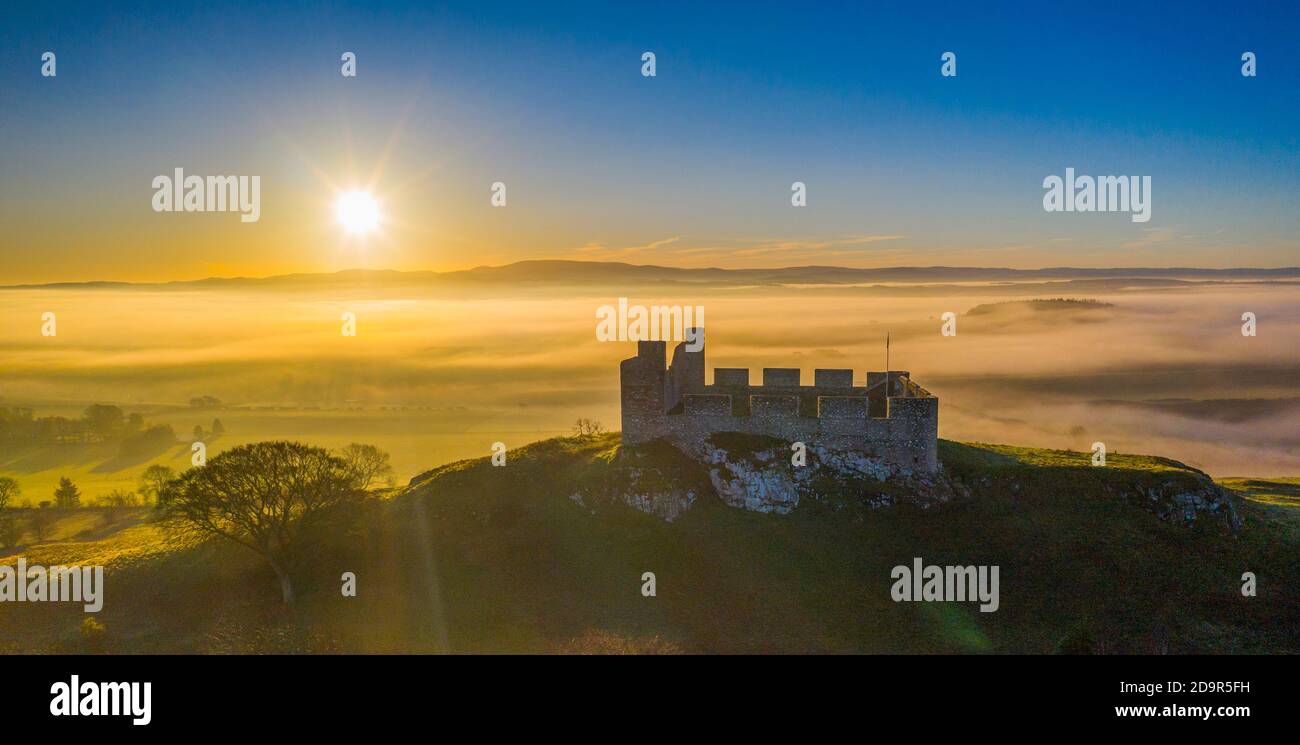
x=470, y=557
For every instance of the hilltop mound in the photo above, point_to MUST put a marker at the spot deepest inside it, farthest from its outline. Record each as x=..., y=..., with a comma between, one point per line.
x=756, y=473
x=1143, y=555
x=549, y=553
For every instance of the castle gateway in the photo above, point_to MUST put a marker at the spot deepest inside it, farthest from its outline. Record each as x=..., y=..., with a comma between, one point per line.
x=890, y=419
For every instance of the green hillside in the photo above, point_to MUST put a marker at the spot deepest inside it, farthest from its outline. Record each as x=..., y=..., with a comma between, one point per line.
x=472, y=557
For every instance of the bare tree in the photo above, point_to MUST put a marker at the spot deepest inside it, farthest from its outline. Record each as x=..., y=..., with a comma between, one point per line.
x=115, y=504
x=587, y=427
x=9, y=529
x=9, y=491
x=41, y=520
x=262, y=496
x=154, y=481
x=368, y=464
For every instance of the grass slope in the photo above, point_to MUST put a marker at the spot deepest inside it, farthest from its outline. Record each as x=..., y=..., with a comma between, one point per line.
x=472, y=557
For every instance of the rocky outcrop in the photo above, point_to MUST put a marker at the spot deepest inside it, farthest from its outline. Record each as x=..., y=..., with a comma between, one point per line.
x=766, y=481
x=1174, y=501
x=755, y=483
x=665, y=504
x=756, y=474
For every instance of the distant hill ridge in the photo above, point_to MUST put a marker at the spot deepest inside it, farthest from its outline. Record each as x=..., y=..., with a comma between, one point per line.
x=566, y=273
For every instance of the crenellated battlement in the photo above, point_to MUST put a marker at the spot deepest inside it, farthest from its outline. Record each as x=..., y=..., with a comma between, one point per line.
x=889, y=416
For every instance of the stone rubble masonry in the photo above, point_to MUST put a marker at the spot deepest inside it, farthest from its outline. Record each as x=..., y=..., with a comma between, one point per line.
x=891, y=418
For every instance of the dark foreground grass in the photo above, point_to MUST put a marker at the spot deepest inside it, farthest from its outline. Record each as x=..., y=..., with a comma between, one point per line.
x=473, y=557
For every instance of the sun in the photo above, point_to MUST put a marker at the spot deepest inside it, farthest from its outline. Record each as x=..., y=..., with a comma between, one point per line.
x=357, y=211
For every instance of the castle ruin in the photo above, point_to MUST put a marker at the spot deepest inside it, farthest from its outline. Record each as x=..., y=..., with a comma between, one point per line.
x=891, y=419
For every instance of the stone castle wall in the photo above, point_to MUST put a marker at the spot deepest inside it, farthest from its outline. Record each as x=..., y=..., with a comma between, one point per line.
x=891, y=418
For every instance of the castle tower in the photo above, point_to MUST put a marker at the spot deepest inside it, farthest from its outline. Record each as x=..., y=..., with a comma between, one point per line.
x=642, y=381
x=686, y=374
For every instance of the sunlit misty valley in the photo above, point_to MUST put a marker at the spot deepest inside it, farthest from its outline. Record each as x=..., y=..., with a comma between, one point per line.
x=340, y=330
x=438, y=373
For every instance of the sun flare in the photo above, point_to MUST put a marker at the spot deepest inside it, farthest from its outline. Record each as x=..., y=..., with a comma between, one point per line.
x=357, y=211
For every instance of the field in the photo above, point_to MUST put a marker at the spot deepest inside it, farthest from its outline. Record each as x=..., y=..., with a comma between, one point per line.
x=414, y=438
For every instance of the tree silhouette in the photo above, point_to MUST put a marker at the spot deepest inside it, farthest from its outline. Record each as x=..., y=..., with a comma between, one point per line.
x=9, y=491
x=368, y=464
x=262, y=496
x=105, y=422
x=153, y=483
x=587, y=427
x=41, y=520
x=9, y=532
x=115, y=504
x=67, y=496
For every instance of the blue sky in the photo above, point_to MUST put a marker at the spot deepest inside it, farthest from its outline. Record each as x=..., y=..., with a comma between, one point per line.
x=691, y=167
